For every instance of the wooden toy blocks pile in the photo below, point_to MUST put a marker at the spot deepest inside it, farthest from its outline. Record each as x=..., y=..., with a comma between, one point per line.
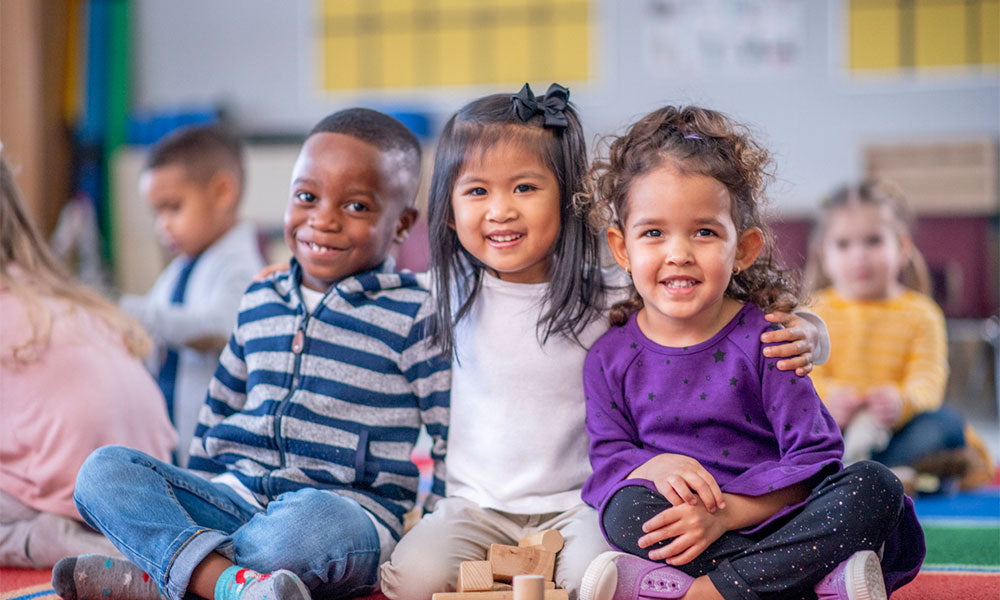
x=501, y=575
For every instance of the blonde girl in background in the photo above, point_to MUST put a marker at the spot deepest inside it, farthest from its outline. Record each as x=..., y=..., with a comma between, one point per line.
x=71, y=381
x=886, y=377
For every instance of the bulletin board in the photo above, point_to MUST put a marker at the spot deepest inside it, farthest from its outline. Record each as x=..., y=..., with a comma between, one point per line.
x=378, y=44
x=915, y=36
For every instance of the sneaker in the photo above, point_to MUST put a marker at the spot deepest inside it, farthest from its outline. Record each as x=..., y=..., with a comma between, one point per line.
x=620, y=576
x=857, y=578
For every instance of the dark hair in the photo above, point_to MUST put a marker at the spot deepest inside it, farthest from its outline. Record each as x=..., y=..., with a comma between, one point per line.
x=874, y=192
x=381, y=131
x=203, y=151
x=575, y=290
x=705, y=142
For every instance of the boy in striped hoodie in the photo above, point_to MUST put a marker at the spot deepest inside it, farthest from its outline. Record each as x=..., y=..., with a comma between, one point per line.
x=300, y=469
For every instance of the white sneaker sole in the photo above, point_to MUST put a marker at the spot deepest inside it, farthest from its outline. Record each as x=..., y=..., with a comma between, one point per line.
x=863, y=577
x=601, y=578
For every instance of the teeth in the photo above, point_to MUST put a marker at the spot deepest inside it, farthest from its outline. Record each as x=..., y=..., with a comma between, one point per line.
x=679, y=283
x=505, y=238
x=317, y=248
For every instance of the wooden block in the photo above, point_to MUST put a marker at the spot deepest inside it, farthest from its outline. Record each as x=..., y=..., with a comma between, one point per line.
x=475, y=576
x=555, y=594
x=508, y=561
x=506, y=587
x=549, y=539
x=528, y=587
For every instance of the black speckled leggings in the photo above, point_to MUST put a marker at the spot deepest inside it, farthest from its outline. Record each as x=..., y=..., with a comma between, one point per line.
x=852, y=510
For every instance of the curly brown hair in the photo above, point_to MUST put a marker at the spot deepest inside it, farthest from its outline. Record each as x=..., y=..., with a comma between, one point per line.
x=699, y=141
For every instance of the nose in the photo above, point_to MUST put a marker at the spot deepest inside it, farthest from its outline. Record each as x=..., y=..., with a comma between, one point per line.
x=162, y=227
x=678, y=251
x=325, y=216
x=501, y=208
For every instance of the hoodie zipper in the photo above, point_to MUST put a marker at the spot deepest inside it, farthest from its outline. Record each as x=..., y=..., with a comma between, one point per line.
x=298, y=345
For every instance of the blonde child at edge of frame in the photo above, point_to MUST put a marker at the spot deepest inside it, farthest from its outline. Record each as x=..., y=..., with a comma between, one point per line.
x=71, y=381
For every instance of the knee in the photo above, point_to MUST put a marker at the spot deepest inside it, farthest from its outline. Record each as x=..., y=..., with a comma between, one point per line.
x=415, y=574
x=106, y=464
x=624, y=513
x=303, y=519
x=875, y=481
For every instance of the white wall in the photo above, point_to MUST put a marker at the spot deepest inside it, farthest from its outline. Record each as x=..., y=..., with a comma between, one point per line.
x=255, y=56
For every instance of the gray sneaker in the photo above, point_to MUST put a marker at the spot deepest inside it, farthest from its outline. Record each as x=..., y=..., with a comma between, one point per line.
x=857, y=578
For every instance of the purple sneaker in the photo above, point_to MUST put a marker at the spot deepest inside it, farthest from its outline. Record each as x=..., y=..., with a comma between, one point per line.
x=620, y=576
x=857, y=578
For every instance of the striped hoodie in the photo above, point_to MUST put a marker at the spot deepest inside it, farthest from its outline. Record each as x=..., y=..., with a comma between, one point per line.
x=332, y=399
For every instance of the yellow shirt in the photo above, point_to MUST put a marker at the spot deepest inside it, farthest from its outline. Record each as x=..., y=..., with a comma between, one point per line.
x=900, y=341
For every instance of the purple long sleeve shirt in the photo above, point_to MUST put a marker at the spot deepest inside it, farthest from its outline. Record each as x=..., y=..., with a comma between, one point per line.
x=755, y=428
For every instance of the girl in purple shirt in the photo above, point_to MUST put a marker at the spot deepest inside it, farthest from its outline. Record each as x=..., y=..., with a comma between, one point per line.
x=706, y=457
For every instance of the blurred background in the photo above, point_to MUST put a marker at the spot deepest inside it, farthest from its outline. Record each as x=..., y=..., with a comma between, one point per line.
x=837, y=89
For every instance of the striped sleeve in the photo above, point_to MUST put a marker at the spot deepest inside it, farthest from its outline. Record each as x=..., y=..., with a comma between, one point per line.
x=428, y=372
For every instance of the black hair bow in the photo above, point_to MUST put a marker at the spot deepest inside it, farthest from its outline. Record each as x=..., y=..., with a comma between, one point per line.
x=552, y=105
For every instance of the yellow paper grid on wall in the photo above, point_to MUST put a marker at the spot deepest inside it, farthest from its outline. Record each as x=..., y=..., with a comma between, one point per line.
x=885, y=35
x=372, y=44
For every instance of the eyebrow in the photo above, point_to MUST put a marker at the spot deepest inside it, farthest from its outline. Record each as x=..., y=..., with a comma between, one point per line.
x=472, y=178
x=656, y=221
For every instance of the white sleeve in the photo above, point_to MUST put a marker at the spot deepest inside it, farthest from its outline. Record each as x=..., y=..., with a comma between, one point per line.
x=822, y=353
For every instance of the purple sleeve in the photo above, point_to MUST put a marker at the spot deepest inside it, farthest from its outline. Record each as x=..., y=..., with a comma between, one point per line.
x=808, y=438
x=615, y=450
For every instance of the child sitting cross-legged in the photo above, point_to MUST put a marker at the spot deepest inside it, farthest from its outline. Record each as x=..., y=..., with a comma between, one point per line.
x=300, y=469
x=716, y=474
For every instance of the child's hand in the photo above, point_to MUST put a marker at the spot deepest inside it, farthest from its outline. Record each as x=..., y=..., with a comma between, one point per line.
x=681, y=479
x=886, y=404
x=693, y=528
x=842, y=403
x=801, y=338
x=270, y=270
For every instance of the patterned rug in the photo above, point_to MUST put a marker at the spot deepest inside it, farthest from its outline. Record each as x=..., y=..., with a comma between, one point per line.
x=963, y=554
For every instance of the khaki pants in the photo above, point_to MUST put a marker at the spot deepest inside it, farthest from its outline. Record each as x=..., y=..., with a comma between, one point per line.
x=426, y=560
x=37, y=540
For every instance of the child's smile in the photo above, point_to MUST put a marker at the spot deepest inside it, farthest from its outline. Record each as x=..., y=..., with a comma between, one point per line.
x=505, y=205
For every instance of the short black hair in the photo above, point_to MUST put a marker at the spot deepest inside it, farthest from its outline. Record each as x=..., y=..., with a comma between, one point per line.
x=203, y=151
x=378, y=129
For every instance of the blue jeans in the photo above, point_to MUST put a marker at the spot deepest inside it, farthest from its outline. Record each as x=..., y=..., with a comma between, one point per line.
x=922, y=435
x=166, y=520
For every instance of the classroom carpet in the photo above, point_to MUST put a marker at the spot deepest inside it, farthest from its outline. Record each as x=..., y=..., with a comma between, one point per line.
x=963, y=554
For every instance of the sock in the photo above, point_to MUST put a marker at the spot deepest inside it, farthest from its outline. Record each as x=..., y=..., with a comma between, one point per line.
x=238, y=583
x=97, y=577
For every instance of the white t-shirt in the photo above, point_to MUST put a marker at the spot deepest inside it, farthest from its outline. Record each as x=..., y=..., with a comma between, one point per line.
x=516, y=441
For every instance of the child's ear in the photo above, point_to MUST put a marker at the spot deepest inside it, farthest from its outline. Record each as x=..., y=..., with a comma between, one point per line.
x=403, y=224
x=616, y=241
x=750, y=244
x=225, y=190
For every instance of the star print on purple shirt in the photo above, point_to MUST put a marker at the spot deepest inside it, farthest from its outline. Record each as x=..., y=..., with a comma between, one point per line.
x=721, y=402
